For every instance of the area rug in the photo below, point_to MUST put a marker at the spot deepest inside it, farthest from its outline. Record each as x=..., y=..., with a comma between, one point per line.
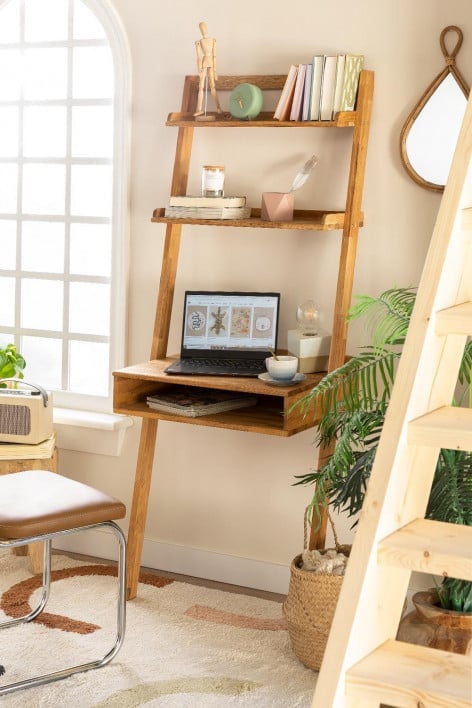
x=185, y=645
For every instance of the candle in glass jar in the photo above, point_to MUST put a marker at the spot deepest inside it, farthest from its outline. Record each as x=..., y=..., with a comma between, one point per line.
x=213, y=180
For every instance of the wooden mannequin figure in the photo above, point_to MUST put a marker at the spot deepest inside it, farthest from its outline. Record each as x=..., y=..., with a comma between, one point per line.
x=206, y=62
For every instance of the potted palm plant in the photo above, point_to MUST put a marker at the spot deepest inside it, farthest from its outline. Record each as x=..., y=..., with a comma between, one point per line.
x=353, y=400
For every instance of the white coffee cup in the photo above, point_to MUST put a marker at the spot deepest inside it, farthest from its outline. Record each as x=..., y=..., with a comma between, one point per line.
x=283, y=368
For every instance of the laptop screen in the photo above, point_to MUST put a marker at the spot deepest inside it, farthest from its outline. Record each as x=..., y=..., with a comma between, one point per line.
x=229, y=324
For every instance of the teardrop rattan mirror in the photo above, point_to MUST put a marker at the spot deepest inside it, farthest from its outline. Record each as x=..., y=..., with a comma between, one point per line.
x=429, y=136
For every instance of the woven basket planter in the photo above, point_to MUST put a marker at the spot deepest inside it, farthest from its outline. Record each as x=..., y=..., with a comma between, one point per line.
x=309, y=611
x=310, y=606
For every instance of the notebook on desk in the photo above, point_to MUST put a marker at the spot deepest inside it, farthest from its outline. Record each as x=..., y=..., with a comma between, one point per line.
x=227, y=333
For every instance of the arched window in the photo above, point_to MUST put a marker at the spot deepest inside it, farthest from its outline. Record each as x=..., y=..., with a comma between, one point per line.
x=64, y=84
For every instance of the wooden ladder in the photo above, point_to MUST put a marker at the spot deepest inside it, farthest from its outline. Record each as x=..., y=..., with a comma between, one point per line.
x=363, y=664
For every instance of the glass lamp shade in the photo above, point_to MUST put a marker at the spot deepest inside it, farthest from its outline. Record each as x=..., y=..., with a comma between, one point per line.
x=308, y=315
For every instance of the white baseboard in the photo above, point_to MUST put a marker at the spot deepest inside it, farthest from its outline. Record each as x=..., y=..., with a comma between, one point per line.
x=196, y=562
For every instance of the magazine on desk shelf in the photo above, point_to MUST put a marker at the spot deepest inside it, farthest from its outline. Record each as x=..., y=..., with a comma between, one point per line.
x=192, y=402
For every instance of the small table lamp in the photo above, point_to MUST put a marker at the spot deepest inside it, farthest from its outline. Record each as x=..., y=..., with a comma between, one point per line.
x=309, y=343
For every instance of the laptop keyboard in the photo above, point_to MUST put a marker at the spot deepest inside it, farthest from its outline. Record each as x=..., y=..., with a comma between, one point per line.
x=255, y=366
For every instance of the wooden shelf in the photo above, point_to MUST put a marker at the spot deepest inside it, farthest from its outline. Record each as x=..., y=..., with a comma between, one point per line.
x=303, y=220
x=345, y=119
x=272, y=415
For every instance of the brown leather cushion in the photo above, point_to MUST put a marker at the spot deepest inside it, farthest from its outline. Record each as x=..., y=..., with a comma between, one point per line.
x=36, y=502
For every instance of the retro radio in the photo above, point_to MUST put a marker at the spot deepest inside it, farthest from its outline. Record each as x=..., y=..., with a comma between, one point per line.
x=25, y=413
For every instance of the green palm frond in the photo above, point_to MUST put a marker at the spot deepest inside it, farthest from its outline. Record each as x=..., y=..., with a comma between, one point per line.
x=360, y=382
x=388, y=316
x=465, y=370
x=343, y=479
x=451, y=493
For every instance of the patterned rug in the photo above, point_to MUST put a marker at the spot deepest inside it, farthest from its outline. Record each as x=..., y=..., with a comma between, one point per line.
x=185, y=645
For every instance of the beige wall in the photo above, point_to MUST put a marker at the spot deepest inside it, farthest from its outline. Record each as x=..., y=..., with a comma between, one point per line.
x=228, y=492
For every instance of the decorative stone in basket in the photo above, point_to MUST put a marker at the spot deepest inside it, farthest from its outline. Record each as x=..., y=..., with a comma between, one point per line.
x=315, y=582
x=278, y=206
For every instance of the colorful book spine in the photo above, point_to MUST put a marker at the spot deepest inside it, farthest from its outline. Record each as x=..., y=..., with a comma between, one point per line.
x=352, y=69
x=317, y=78
x=282, y=111
x=327, y=87
x=321, y=89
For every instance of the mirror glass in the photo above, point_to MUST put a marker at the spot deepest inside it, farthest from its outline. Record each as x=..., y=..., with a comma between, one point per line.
x=429, y=136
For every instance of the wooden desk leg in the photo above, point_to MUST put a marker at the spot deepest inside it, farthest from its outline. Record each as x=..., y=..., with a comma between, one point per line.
x=137, y=521
x=36, y=556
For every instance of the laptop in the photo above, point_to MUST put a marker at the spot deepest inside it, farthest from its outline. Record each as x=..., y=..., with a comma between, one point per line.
x=227, y=333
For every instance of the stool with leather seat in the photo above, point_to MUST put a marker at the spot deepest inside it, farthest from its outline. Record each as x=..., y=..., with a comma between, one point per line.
x=40, y=506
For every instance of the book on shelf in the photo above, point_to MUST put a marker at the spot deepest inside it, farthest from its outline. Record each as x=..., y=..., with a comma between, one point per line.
x=192, y=402
x=317, y=77
x=338, y=85
x=319, y=90
x=282, y=110
x=201, y=212
x=21, y=451
x=187, y=200
x=327, y=87
x=297, y=101
x=352, y=68
x=307, y=92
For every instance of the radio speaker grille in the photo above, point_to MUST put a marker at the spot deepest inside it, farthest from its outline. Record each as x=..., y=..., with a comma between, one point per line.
x=15, y=420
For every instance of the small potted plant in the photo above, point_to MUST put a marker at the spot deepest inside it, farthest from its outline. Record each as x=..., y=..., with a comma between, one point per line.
x=353, y=400
x=11, y=364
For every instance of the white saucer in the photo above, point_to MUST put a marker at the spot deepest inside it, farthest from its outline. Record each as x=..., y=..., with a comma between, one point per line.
x=267, y=378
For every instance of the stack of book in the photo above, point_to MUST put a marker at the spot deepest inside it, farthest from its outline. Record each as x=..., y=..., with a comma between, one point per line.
x=192, y=402
x=320, y=89
x=195, y=207
x=22, y=451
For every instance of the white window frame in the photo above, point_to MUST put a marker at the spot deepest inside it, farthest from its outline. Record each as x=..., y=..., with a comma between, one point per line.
x=118, y=45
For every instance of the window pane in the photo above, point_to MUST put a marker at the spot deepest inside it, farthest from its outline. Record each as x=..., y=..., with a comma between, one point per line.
x=90, y=249
x=92, y=131
x=7, y=244
x=43, y=360
x=89, y=311
x=10, y=74
x=44, y=131
x=7, y=302
x=92, y=73
x=45, y=73
x=91, y=190
x=41, y=304
x=42, y=247
x=89, y=368
x=9, y=131
x=86, y=25
x=8, y=188
x=44, y=189
x=10, y=24
x=46, y=20
x=56, y=169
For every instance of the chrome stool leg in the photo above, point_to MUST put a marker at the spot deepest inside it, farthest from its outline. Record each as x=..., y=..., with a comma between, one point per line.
x=121, y=605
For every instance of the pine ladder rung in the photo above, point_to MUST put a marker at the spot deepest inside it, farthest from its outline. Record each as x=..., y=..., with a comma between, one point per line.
x=430, y=547
x=449, y=427
x=408, y=675
x=455, y=320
